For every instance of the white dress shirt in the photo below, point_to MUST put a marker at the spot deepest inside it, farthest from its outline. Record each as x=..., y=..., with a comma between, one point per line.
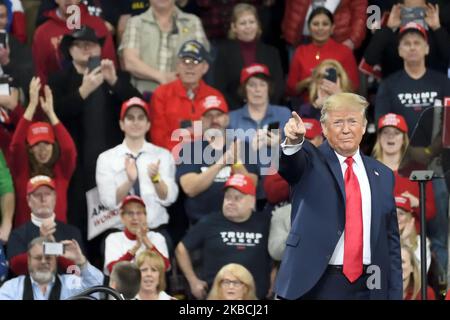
x=111, y=173
x=360, y=171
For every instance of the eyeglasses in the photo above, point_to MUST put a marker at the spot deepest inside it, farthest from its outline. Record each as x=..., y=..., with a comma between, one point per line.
x=228, y=283
x=189, y=61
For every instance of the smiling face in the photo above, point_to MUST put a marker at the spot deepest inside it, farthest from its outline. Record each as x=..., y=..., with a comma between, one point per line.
x=232, y=288
x=133, y=216
x=321, y=28
x=42, y=152
x=135, y=124
x=246, y=27
x=391, y=140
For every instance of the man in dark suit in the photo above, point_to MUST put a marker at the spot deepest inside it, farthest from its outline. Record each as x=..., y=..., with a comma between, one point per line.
x=344, y=241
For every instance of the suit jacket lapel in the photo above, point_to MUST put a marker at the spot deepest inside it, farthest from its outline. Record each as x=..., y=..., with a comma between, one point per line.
x=374, y=183
x=334, y=165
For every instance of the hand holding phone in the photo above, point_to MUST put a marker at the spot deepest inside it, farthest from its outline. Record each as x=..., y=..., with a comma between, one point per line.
x=94, y=62
x=331, y=74
x=53, y=249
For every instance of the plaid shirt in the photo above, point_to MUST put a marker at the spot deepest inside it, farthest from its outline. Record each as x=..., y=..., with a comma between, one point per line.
x=159, y=49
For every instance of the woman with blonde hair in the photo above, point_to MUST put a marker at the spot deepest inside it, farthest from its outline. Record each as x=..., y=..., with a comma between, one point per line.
x=233, y=282
x=321, y=85
x=412, y=277
x=153, y=281
x=242, y=49
x=390, y=146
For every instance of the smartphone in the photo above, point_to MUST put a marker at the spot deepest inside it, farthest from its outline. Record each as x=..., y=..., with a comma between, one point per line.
x=185, y=124
x=94, y=62
x=3, y=38
x=53, y=249
x=414, y=14
x=331, y=74
x=273, y=126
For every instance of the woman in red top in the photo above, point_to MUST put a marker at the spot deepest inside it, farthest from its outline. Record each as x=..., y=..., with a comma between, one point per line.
x=391, y=144
x=308, y=56
x=411, y=277
x=41, y=149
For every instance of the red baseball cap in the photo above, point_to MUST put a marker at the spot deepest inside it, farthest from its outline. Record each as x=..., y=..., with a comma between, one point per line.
x=393, y=120
x=40, y=132
x=241, y=183
x=254, y=69
x=131, y=198
x=133, y=102
x=413, y=27
x=212, y=102
x=39, y=181
x=403, y=203
x=313, y=128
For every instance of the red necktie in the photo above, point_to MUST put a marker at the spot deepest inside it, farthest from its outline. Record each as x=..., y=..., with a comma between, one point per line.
x=353, y=239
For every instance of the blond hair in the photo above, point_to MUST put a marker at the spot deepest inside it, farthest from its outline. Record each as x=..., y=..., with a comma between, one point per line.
x=238, y=10
x=415, y=279
x=377, y=151
x=158, y=262
x=238, y=271
x=344, y=101
x=316, y=76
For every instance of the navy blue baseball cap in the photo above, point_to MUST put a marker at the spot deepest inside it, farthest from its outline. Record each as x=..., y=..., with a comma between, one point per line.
x=193, y=49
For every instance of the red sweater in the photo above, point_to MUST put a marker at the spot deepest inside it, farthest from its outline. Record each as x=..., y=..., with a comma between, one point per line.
x=46, y=55
x=304, y=61
x=403, y=184
x=349, y=20
x=20, y=170
x=170, y=106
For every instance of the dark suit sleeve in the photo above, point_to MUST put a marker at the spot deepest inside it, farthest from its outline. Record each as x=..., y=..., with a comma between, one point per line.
x=292, y=167
x=395, y=290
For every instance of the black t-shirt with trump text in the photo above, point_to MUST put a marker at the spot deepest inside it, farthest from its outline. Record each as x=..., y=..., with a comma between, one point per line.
x=222, y=241
x=409, y=97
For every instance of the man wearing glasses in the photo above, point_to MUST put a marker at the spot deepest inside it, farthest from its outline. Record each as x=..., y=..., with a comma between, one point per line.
x=178, y=103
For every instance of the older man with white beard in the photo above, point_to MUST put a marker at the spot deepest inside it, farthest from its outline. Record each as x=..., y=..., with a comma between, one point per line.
x=43, y=283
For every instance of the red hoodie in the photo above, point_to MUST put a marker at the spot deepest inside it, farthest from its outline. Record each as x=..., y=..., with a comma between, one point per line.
x=47, y=37
x=20, y=171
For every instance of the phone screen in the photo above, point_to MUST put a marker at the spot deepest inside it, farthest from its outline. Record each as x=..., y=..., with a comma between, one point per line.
x=93, y=62
x=53, y=248
x=3, y=39
x=331, y=74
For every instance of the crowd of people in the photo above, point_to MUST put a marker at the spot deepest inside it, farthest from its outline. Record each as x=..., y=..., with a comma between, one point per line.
x=165, y=119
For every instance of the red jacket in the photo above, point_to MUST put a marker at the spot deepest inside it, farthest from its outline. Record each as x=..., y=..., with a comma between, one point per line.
x=18, y=26
x=349, y=21
x=20, y=170
x=304, y=61
x=170, y=106
x=46, y=55
x=403, y=184
x=276, y=189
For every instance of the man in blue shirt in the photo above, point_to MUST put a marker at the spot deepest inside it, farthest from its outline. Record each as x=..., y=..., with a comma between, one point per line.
x=43, y=283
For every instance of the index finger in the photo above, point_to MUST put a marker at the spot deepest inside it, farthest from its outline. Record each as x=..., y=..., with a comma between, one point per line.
x=296, y=117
